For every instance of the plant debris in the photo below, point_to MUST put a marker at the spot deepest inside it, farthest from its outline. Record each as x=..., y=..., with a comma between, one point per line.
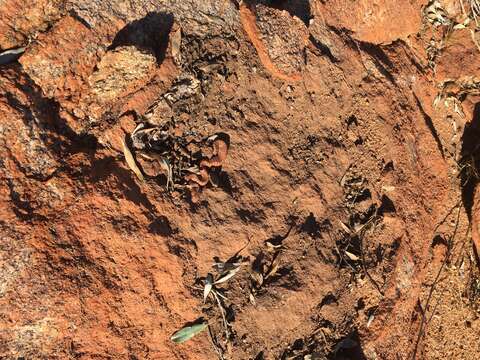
x=225, y=271
x=181, y=159
x=436, y=14
x=188, y=332
x=131, y=161
x=351, y=256
x=228, y=275
x=208, y=286
x=261, y=272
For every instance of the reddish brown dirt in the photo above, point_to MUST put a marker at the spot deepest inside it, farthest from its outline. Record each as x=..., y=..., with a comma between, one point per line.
x=351, y=179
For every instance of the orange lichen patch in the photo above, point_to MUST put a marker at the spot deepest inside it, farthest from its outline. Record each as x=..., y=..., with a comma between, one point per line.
x=247, y=18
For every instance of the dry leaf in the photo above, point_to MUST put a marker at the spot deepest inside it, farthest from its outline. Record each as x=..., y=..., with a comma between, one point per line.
x=131, y=161
x=359, y=227
x=223, y=267
x=227, y=276
x=257, y=277
x=217, y=293
x=273, y=267
x=370, y=319
x=351, y=256
x=137, y=128
x=251, y=297
x=208, y=286
x=272, y=247
x=344, y=227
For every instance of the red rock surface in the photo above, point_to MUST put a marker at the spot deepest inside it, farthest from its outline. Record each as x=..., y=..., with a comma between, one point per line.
x=353, y=140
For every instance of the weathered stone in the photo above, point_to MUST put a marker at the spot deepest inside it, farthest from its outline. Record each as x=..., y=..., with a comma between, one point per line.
x=377, y=21
x=284, y=36
x=459, y=58
x=120, y=72
x=21, y=20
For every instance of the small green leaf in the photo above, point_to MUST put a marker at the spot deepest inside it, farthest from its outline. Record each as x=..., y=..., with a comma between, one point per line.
x=188, y=332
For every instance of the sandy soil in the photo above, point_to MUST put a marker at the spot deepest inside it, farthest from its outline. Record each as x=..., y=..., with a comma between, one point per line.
x=325, y=154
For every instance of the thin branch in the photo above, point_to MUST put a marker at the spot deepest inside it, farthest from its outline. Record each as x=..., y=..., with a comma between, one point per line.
x=222, y=311
x=215, y=345
x=424, y=322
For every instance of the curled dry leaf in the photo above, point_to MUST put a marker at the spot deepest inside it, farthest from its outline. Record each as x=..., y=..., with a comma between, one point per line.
x=257, y=277
x=272, y=247
x=220, y=149
x=273, y=267
x=344, y=227
x=131, y=161
x=166, y=166
x=188, y=332
x=137, y=128
x=227, y=276
x=208, y=286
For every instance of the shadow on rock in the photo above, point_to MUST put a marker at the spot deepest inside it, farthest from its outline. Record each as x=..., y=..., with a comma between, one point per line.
x=149, y=33
x=470, y=175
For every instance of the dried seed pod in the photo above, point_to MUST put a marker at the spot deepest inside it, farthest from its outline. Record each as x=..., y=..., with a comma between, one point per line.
x=201, y=179
x=220, y=150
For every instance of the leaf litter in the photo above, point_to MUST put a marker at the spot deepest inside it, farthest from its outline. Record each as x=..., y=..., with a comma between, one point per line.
x=131, y=161
x=231, y=273
x=208, y=286
x=187, y=332
x=175, y=151
x=226, y=271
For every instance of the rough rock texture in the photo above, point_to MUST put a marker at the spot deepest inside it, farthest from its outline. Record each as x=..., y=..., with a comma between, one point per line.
x=23, y=19
x=349, y=187
x=377, y=21
x=284, y=35
x=460, y=45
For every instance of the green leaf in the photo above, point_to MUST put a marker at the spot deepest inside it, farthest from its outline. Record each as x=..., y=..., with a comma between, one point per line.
x=188, y=332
